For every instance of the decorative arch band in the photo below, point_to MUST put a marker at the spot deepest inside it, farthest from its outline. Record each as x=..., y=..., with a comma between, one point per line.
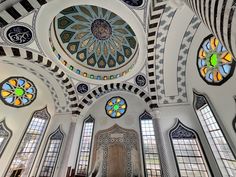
x=102, y=90
x=45, y=62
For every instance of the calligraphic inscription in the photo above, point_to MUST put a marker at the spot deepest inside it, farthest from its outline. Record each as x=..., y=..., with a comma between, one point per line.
x=19, y=34
x=134, y=3
x=82, y=88
x=140, y=80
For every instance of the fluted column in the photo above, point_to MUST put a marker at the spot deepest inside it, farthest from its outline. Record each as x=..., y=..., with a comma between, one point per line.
x=220, y=18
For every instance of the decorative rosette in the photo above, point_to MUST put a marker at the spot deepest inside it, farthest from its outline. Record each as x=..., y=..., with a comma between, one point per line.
x=17, y=92
x=116, y=107
x=215, y=63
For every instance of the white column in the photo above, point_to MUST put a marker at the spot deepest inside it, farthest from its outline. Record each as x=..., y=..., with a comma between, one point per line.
x=71, y=145
x=160, y=143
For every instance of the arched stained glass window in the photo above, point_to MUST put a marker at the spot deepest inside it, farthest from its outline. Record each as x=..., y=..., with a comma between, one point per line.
x=188, y=152
x=116, y=107
x=221, y=149
x=5, y=135
x=85, y=147
x=150, y=152
x=17, y=92
x=25, y=155
x=52, y=153
x=215, y=64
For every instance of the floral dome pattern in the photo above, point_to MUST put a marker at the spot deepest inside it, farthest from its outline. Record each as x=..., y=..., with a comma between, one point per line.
x=17, y=92
x=215, y=64
x=116, y=107
x=94, y=39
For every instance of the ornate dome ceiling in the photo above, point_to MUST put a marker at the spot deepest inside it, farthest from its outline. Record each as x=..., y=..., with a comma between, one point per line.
x=93, y=42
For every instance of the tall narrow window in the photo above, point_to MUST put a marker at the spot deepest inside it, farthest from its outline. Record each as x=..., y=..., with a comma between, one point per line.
x=217, y=140
x=29, y=145
x=150, y=152
x=5, y=135
x=85, y=147
x=188, y=152
x=52, y=154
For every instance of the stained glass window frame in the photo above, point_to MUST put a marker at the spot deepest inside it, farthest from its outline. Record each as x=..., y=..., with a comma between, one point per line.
x=125, y=109
x=202, y=155
x=143, y=117
x=39, y=114
x=205, y=102
x=57, y=153
x=17, y=78
x=233, y=65
x=89, y=119
x=6, y=137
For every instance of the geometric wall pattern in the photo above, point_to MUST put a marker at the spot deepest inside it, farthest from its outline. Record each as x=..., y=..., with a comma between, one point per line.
x=156, y=10
x=19, y=10
x=49, y=65
x=58, y=107
x=181, y=60
x=94, y=94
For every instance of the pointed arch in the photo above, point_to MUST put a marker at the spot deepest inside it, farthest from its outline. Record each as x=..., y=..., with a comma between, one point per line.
x=5, y=135
x=215, y=135
x=49, y=65
x=188, y=151
x=85, y=146
x=151, y=157
x=96, y=93
x=52, y=153
x=28, y=147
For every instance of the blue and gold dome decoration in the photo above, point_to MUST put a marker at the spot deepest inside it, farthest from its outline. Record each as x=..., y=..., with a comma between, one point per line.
x=95, y=39
x=215, y=64
x=116, y=107
x=17, y=92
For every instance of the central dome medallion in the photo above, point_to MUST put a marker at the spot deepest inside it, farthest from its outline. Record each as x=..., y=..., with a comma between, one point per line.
x=94, y=42
x=101, y=29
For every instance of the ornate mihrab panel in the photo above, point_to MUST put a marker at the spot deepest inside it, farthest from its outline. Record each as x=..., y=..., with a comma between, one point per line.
x=112, y=142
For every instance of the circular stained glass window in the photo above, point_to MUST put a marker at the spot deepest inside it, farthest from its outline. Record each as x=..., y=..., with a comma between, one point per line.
x=17, y=92
x=116, y=107
x=215, y=64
